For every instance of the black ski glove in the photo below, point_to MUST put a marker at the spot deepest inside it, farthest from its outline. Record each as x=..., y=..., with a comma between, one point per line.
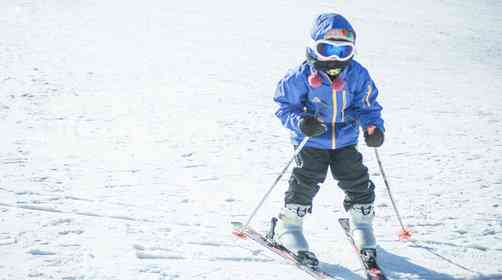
x=311, y=126
x=373, y=137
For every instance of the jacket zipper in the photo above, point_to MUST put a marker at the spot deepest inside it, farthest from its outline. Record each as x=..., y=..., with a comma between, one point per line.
x=335, y=109
x=335, y=113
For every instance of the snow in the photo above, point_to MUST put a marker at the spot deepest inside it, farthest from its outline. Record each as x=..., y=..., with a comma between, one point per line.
x=134, y=132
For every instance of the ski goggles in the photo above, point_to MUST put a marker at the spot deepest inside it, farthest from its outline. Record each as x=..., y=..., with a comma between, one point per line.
x=333, y=50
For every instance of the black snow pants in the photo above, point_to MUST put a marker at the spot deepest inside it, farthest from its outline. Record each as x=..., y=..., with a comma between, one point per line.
x=346, y=167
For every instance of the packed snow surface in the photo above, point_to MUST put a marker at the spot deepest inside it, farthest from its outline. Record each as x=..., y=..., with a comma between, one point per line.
x=134, y=132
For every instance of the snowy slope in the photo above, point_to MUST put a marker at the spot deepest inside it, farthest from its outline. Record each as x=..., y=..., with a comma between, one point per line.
x=133, y=132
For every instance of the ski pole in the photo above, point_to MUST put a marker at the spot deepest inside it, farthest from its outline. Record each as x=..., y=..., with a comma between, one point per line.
x=405, y=234
x=295, y=153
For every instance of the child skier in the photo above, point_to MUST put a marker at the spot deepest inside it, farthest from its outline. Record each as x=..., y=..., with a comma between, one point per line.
x=327, y=98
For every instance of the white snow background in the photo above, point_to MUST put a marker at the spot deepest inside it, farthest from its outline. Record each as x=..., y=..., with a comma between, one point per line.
x=134, y=132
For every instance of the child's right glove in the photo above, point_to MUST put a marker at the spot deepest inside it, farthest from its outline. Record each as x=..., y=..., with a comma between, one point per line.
x=311, y=126
x=373, y=137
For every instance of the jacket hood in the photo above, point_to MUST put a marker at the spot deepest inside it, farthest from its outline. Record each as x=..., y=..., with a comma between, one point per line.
x=327, y=21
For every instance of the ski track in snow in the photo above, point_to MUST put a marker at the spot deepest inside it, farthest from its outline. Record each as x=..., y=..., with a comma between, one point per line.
x=135, y=132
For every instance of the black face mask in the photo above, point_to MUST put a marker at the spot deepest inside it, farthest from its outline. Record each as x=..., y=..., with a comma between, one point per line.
x=332, y=68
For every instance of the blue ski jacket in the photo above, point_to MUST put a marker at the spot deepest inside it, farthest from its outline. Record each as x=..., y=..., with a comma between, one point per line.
x=342, y=110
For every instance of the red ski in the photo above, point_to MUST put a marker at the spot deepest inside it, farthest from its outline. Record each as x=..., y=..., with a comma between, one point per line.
x=249, y=233
x=372, y=270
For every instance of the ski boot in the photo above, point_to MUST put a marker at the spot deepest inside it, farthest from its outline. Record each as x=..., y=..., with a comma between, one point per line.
x=361, y=224
x=368, y=257
x=287, y=232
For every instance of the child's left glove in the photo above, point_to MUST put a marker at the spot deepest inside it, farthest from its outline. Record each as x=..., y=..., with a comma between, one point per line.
x=373, y=136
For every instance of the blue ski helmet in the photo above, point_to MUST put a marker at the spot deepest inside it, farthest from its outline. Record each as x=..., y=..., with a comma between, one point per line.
x=329, y=21
x=330, y=26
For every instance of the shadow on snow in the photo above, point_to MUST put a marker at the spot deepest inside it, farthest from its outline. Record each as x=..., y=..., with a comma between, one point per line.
x=340, y=271
x=400, y=267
